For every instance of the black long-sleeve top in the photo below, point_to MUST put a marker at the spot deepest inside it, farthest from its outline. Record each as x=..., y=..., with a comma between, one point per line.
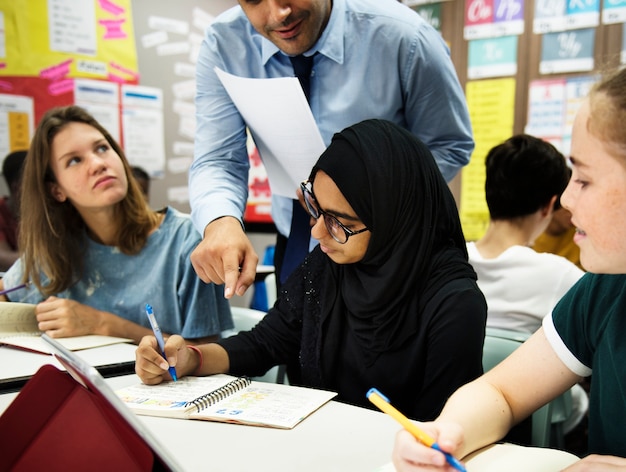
x=418, y=377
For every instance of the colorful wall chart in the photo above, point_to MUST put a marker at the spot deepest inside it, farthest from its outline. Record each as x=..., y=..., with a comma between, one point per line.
x=561, y=15
x=552, y=106
x=16, y=123
x=491, y=107
x=58, y=39
x=492, y=57
x=492, y=18
x=567, y=51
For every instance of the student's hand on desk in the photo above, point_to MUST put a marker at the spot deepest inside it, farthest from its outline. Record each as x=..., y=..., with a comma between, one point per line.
x=150, y=366
x=62, y=318
x=597, y=463
x=410, y=455
x=226, y=256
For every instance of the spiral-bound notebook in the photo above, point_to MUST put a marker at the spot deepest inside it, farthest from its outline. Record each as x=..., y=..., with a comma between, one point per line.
x=228, y=399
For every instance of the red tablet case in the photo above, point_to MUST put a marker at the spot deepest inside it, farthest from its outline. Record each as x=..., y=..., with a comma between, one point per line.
x=56, y=424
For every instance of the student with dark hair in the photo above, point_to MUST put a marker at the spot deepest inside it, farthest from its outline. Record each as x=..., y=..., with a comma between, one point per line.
x=387, y=299
x=525, y=177
x=9, y=208
x=94, y=253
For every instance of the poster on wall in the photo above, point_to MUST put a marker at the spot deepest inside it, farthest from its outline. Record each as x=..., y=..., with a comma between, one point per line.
x=552, y=106
x=16, y=123
x=431, y=12
x=561, y=15
x=567, y=51
x=58, y=39
x=613, y=11
x=142, y=127
x=491, y=106
x=493, y=18
x=102, y=100
x=492, y=57
x=546, y=102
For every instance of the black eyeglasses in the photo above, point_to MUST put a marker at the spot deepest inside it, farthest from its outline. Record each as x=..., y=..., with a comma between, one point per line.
x=335, y=228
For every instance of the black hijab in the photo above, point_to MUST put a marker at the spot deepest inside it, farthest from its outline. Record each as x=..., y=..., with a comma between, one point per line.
x=393, y=184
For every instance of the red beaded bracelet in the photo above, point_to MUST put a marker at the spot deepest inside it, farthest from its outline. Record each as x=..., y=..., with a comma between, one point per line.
x=199, y=352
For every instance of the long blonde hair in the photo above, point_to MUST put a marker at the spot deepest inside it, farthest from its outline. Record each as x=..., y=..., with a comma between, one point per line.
x=52, y=234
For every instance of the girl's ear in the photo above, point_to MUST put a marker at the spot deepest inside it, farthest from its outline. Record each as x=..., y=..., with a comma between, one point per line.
x=57, y=193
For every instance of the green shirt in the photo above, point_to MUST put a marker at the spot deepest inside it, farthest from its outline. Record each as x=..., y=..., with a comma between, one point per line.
x=587, y=329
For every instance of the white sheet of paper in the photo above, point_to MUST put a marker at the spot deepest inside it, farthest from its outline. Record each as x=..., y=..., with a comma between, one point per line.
x=283, y=127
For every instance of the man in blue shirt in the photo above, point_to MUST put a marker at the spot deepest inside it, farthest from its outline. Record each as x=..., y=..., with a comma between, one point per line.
x=373, y=59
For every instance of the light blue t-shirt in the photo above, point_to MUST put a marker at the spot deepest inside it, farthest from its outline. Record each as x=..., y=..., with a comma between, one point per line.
x=375, y=59
x=161, y=275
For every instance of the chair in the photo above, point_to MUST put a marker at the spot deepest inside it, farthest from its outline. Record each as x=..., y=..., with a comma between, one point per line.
x=244, y=320
x=547, y=420
x=270, y=289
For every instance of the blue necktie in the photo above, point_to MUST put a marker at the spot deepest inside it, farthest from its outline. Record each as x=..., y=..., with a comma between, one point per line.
x=300, y=233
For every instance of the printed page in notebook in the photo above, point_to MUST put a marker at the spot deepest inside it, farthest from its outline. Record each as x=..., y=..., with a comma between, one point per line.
x=258, y=404
x=170, y=398
x=266, y=404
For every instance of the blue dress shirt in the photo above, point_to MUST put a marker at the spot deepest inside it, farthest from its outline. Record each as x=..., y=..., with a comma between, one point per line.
x=375, y=59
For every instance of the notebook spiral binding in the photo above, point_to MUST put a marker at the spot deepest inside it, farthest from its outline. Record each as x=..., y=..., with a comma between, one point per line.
x=219, y=394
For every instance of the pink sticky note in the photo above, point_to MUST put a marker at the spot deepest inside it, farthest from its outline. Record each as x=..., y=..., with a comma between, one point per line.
x=125, y=70
x=113, y=29
x=115, y=34
x=111, y=7
x=61, y=87
x=57, y=71
x=116, y=78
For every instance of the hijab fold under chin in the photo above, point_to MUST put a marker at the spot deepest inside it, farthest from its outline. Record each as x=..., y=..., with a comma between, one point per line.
x=417, y=246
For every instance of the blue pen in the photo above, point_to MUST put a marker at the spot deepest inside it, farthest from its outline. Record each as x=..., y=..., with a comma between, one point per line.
x=159, y=337
x=382, y=402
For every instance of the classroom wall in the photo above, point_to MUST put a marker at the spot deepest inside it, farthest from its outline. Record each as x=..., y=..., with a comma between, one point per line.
x=168, y=72
x=160, y=71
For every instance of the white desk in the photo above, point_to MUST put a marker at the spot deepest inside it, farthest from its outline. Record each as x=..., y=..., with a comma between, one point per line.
x=19, y=365
x=337, y=437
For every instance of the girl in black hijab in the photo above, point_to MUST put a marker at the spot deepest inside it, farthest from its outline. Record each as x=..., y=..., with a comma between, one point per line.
x=386, y=300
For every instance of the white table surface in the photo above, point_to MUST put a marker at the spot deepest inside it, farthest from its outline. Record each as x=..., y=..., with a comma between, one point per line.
x=18, y=364
x=337, y=437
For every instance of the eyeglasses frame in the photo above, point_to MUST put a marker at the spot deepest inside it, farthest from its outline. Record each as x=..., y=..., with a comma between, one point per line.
x=328, y=218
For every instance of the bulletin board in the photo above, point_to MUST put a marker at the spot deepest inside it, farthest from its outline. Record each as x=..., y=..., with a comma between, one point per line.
x=525, y=66
x=48, y=45
x=131, y=63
